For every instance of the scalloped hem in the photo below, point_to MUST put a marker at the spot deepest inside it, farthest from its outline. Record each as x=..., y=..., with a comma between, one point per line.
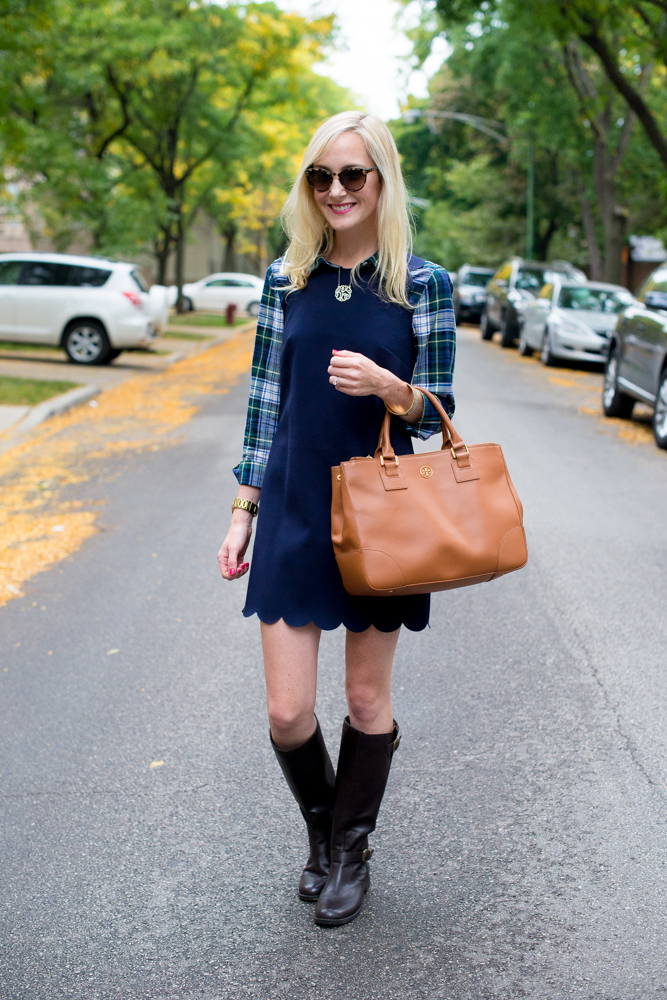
x=329, y=627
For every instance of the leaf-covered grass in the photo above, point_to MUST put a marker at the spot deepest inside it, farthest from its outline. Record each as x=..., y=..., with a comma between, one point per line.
x=204, y=319
x=30, y=391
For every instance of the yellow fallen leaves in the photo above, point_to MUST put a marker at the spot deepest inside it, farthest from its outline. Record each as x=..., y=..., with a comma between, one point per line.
x=568, y=383
x=156, y=763
x=39, y=526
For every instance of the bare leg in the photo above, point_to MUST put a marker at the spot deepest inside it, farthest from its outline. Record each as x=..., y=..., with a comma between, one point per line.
x=369, y=658
x=290, y=668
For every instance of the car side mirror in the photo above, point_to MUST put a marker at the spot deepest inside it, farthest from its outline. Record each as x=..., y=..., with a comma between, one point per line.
x=655, y=300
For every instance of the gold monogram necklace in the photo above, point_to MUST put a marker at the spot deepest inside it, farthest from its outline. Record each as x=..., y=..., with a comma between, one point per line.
x=343, y=292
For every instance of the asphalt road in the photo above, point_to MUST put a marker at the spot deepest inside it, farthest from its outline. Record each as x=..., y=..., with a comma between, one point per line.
x=150, y=848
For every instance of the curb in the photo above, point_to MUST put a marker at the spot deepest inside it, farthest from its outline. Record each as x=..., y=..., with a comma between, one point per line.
x=51, y=407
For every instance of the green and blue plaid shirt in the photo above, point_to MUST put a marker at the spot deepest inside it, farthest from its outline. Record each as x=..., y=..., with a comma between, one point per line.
x=434, y=334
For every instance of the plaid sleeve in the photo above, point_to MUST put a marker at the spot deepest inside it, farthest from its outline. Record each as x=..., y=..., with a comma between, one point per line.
x=264, y=400
x=434, y=330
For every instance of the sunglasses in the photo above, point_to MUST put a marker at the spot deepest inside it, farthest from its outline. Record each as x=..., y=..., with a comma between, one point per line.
x=352, y=178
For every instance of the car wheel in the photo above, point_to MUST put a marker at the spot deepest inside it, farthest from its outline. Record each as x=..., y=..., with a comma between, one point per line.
x=485, y=327
x=660, y=413
x=614, y=402
x=546, y=355
x=86, y=343
x=524, y=348
x=507, y=333
x=253, y=309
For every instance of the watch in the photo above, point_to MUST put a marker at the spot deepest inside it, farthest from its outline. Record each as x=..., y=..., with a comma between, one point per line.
x=248, y=505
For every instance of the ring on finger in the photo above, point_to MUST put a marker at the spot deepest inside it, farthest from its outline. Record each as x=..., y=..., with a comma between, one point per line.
x=336, y=380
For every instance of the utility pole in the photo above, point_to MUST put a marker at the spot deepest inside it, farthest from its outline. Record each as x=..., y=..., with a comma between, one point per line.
x=530, y=199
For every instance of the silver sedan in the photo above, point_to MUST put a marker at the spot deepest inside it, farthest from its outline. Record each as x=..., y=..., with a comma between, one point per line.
x=572, y=320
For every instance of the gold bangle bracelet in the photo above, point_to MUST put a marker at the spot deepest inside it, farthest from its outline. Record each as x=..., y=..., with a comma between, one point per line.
x=248, y=505
x=405, y=413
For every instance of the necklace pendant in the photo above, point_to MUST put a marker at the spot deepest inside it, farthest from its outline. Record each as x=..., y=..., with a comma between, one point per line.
x=343, y=293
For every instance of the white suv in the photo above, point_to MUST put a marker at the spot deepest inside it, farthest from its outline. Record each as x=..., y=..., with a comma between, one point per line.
x=91, y=307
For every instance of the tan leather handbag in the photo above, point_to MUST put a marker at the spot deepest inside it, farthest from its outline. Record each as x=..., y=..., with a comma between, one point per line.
x=413, y=524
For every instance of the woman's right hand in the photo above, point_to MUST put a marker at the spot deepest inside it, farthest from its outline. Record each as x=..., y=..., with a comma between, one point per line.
x=233, y=549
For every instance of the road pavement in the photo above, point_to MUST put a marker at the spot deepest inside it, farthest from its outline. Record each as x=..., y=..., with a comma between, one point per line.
x=150, y=848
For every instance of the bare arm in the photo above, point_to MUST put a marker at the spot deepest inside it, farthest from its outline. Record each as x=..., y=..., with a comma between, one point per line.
x=359, y=376
x=233, y=549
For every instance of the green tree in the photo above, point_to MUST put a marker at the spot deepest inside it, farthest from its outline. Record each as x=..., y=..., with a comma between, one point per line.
x=127, y=115
x=510, y=63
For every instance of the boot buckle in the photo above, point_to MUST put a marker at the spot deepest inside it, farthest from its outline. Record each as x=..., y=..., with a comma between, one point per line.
x=367, y=854
x=393, y=747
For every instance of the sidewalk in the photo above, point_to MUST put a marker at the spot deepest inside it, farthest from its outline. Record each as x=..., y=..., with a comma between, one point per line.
x=29, y=362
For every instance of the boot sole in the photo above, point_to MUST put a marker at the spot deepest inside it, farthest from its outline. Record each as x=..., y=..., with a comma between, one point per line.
x=309, y=899
x=337, y=923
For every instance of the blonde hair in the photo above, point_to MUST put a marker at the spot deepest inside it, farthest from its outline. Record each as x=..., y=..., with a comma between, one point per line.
x=310, y=234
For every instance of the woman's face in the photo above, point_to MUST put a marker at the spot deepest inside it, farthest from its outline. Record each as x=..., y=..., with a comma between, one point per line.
x=344, y=210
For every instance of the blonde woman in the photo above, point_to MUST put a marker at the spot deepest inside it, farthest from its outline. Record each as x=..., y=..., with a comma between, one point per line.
x=349, y=321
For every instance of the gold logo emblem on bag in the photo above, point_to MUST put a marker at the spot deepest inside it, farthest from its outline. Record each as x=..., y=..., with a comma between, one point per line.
x=426, y=471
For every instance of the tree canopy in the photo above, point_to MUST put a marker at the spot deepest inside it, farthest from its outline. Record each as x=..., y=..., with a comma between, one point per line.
x=127, y=117
x=532, y=67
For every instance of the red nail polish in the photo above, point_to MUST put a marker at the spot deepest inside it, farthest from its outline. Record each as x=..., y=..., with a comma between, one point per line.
x=231, y=572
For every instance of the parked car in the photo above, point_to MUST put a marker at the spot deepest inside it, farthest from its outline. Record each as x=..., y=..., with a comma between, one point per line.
x=637, y=361
x=513, y=285
x=572, y=320
x=470, y=292
x=92, y=307
x=220, y=290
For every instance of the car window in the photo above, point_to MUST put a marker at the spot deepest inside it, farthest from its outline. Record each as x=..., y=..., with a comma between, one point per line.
x=87, y=277
x=546, y=291
x=530, y=280
x=504, y=274
x=473, y=278
x=39, y=272
x=216, y=283
x=10, y=271
x=656, y=282
x=139, y=280
x=597, y=300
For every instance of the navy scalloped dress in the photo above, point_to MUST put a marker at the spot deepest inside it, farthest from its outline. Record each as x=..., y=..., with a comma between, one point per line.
x=293, y=573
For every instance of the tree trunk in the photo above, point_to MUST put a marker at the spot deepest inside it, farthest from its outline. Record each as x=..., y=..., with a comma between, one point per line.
x=589, y=232
x=180, y=258
x=612, y=215
x=162, y=252
x=614, y=239
x=543, y=240
x=229, y=234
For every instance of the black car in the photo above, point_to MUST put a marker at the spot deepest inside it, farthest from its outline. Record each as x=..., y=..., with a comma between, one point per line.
x=470, y=292
x=516, y=282
x=637, y=360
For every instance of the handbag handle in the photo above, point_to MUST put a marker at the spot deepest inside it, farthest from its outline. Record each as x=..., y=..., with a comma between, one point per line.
x=450, y=436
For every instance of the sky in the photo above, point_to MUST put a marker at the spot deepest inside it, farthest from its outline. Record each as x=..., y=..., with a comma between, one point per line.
x=370, y=57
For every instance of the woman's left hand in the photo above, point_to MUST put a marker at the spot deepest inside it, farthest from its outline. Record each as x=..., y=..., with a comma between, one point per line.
x=356, y=375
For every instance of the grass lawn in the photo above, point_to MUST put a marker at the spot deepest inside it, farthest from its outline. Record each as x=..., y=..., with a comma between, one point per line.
x=30, y=391
x=16, y=346
x=175, y=335
x=203, y=319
